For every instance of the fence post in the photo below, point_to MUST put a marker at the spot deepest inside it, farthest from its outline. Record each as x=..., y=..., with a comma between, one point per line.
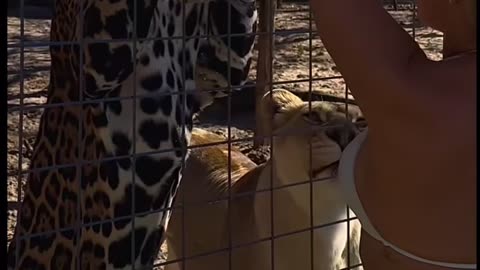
x=265, y=45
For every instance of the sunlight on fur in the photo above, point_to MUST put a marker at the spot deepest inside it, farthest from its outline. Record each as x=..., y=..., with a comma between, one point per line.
x=300, y=138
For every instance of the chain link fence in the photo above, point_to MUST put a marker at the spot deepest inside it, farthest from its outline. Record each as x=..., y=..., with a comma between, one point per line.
x=41, y=134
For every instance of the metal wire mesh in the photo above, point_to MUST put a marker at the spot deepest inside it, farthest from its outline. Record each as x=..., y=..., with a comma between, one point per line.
x=26, y=103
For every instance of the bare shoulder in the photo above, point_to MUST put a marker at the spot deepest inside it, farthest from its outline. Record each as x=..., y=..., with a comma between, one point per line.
x=430, y=98
x=453, y=77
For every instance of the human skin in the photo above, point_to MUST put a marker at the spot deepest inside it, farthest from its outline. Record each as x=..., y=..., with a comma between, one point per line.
x=416, y=172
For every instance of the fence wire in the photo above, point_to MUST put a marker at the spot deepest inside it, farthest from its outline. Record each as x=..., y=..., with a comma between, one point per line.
x=28, y=112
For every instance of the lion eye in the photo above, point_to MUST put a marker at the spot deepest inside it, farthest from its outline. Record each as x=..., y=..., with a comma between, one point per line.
x=312, y=118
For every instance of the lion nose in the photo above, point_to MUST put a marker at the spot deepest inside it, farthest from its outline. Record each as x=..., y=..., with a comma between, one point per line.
x=343, y=134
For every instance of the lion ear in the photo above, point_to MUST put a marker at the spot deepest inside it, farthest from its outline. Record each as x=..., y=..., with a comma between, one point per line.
x=274, y=106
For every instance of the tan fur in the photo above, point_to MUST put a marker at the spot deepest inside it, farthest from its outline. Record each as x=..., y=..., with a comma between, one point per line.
x=207, y=227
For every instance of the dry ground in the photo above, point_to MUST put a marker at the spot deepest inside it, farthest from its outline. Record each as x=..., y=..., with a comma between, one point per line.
x=291, y=71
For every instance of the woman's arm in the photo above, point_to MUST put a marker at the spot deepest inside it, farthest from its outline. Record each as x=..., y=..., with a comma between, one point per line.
x=371, y=50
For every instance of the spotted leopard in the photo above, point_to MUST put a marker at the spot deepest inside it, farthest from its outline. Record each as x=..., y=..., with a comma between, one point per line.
x=91, y=126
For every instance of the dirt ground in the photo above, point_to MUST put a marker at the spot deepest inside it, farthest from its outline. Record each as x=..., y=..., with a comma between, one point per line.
x=291, y=71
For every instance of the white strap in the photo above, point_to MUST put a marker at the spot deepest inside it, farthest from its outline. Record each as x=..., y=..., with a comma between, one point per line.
x=346, y=170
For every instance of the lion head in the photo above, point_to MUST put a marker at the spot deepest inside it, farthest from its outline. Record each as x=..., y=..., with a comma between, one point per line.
x=307, y=137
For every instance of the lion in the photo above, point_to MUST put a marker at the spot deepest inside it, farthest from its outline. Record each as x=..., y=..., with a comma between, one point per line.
x=241, y=233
